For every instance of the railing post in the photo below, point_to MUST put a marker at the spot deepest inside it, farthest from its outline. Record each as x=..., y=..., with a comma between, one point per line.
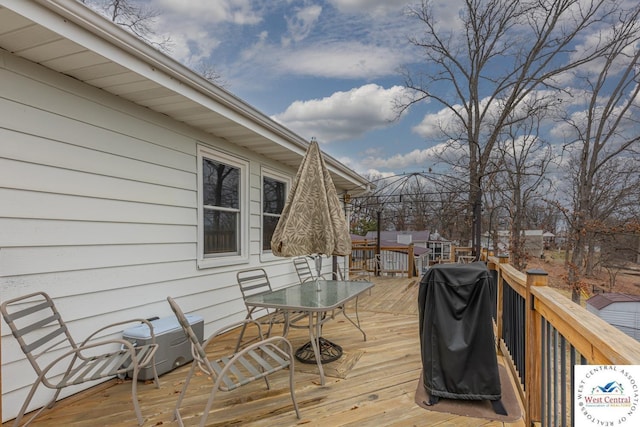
x=411, y=262
x=502, y=259
x=533, y=350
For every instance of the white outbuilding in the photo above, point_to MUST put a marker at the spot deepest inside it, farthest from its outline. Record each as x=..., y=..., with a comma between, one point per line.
x=620, y=310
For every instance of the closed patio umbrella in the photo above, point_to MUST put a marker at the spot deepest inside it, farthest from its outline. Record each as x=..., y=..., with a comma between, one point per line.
x=313, y=223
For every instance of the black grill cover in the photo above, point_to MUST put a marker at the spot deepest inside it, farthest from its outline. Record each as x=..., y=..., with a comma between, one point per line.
x=456, y=333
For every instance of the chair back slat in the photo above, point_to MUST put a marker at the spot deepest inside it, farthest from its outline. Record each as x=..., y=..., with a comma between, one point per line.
x=35, y=323
x=30, y=348
x=253, y=282
x=303, y=269
x=26, y=311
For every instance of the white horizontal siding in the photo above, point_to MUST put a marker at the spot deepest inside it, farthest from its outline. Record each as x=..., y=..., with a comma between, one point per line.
x=623, y=314
x=39, y=205
x=36, y=149
x=40, y=260
x=66, y=97
x=38, y=232
x=98, y=207
x=35, y=177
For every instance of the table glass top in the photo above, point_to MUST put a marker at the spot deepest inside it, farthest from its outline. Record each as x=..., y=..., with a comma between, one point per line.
x=311, y=295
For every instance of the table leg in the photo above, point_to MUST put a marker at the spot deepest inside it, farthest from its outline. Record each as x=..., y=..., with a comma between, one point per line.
x=314, y=337
x=357, y=322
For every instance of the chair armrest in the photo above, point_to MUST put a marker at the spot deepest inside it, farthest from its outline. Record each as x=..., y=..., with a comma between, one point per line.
x=124, y=322
x=77, y=353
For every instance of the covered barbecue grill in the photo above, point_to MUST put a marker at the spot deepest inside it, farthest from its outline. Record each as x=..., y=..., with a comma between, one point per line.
x=456, y=334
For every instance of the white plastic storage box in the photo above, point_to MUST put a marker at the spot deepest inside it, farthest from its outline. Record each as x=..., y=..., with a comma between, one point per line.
x=174, y=348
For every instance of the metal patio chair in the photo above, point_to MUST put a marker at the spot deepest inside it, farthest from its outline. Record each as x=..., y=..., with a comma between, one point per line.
x=256, y=281
x=42, y=334
x=254, y=362
x=303, y=269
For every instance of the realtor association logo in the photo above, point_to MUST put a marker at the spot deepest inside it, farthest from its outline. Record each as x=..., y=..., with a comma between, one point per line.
x=607, y=395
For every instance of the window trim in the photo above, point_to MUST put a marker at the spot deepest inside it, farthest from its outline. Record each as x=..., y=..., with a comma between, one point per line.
x=280, y=176
x=222, y=260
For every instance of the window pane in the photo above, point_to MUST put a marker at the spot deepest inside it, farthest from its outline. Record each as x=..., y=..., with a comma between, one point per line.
x=273, y=198
x=268, y=227
x=220, y=184
x=220, y=232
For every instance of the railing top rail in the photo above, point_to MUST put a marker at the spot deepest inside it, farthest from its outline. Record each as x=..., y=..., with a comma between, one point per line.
x=516, y=279
x=597, y=340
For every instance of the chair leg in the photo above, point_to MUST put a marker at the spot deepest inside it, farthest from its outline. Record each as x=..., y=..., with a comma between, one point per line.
x=184, y=391
x=292, y=388
x=239, y=343
x=55, y=399
x=207, y=408
x=155, y=372
x=285, y=327
x=134, y=396
x=25, y=405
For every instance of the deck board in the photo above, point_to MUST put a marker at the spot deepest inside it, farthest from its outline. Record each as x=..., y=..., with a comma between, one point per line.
x=378, y=391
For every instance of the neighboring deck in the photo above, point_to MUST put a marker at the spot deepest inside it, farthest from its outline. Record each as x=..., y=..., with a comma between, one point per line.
x=378, y=390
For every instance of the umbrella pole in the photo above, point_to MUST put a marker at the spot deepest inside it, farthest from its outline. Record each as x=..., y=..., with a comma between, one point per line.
x=318, y=260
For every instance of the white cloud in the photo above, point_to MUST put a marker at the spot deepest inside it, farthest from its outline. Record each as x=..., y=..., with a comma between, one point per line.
x=343, y=115
x=414, y=158
x=207, y=11
x=301, y=23
x=433, y=124
x=338, y=60
x=190, y=25
x=373, y=162
x=346, y=60
x=373, y=7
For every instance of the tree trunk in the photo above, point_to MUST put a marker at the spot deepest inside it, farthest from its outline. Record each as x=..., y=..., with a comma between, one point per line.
x=575, y=267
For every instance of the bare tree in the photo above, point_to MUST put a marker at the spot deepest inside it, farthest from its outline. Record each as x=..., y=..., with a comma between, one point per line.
x=483, y=65
x=520, y=161
x=605, y=144
x=209, y=72
x=137, y=17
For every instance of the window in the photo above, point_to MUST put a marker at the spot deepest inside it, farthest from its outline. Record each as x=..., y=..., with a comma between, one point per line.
x=274, y=196
x=221, y=209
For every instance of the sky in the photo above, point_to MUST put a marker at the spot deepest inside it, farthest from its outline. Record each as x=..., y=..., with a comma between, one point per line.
x=324, y=69
x=327, y=69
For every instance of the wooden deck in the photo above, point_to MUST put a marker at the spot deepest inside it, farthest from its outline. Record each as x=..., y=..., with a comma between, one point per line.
x=378, y=390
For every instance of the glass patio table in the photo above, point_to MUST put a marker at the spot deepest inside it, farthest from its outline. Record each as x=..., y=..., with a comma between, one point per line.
x=316, y=298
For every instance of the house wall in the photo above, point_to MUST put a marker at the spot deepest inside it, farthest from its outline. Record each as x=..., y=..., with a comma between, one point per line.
x=98, y=207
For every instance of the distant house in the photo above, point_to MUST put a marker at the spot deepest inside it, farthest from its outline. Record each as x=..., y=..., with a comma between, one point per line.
x=535, y=241
x=549, y=240
x=428, y=247
x=620, y=310
x=109, y=150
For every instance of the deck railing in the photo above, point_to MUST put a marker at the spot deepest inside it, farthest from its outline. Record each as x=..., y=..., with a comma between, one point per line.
x=390, y=260
x=543, y=335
